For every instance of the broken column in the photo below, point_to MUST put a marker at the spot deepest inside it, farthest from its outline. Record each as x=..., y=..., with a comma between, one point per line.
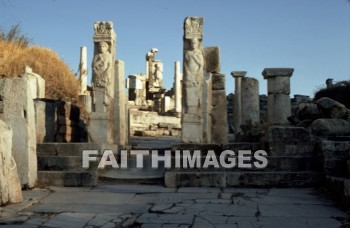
x=120, y=119
x=17, y=111
x=178, y=97
x=36, y=83
x=84, y=94
x=101, y=119
x=250, y=101
x=83, y=71
x=237, y=99
x=192, y=120
x=278, y=89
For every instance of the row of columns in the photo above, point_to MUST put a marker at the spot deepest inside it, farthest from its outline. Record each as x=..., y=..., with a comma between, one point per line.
x=246, y=99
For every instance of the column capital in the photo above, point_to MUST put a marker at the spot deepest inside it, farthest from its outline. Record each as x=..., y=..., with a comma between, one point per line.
x=238, y=73
x=277, y=72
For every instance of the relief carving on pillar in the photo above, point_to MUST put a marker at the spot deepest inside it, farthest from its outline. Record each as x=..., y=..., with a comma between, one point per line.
x=193, y=51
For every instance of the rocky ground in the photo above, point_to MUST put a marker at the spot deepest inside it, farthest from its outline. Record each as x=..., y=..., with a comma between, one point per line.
x=156, y=206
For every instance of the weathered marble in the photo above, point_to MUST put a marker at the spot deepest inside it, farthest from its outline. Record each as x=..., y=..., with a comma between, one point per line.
x=18, y=113
x=219, y=110
x=36, y=83
x=120, y=109
x=10, y=186
x=250, y=101
x=192, y=119
x=207, y=107
x=178, y=87
x=103, y=67
x=83, y=71
x=278, y=89
x=237, y=100
x=212, y=59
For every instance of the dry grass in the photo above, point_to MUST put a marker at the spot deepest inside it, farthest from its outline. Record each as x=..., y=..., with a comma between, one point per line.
x=61, y=83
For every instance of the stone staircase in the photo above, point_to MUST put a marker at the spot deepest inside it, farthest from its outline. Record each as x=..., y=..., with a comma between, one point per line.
x=292, y=162
x=60, y=164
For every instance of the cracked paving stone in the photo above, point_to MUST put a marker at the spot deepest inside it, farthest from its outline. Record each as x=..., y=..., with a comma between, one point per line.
x=69, y=220
x=165, y=218
x=161, y=207
x=101, y=219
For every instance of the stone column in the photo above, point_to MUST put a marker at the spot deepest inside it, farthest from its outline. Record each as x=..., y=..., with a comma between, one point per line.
x=83, y=71
x=120, y=118
x=103, y=66
x=250, y=101
x=237, y=99
x=193, y=66
x=278, y=90
x=177, y=88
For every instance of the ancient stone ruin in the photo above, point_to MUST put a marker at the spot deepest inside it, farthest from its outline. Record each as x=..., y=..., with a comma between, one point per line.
x=42, y=141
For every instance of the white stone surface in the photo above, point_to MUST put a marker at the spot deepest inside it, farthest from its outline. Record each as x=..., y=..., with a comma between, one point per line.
x=178, y=88
x=192, y=119
x=10, y=186
x=18, y=113
x=83, y=71
x=36, y=83
x=120, y=128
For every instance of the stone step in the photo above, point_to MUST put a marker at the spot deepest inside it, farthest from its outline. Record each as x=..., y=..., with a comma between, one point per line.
x=241, y=179
x=63, y=163
x=218, y=148
x=72, y=149
x=67, y=178
x=285, y=163
x=132, y=176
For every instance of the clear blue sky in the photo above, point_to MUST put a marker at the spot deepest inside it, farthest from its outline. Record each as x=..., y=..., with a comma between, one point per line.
x=311, y=36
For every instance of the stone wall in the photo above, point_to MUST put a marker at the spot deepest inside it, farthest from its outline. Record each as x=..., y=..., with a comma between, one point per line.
x=59, y=121
x=145, y=123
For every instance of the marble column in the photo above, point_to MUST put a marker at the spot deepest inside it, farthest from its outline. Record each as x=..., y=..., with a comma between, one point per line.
x=278, y=89
x=250, y=101
x=120, y=118
x=177, y=88
x=83, y=71
x=237, y=100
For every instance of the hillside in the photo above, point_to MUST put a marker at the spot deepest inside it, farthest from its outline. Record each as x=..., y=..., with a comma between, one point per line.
x=15, y=54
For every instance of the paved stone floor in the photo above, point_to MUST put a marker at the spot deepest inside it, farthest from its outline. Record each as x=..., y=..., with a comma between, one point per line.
x=156, y=206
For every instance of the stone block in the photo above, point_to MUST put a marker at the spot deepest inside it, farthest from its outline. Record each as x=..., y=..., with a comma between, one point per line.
x=19, y=115
x=194, y=179
x=36, y=83
x=100, y=128
x=212, y=59
x=219, y=117
x=330, y=108
x=218, y=81
x=276, y=179
x=290, y=141
x=335, y=155
x=331, y=127
x=10, y=185
x=250, y=101
x=46, y=120
x=279, y=109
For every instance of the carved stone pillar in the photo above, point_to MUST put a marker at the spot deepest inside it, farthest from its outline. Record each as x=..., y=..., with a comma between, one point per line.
x=103, y=66
x=193, y=65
